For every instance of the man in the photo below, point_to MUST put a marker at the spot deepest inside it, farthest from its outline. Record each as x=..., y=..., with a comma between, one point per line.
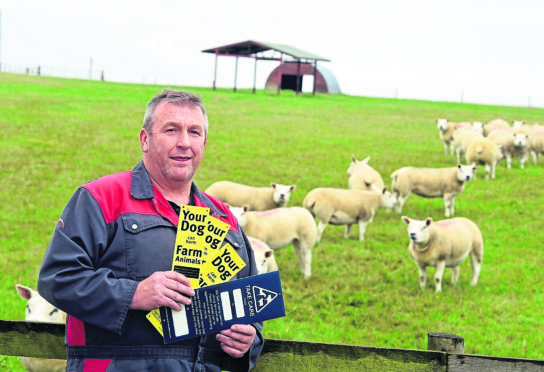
x=108, y=263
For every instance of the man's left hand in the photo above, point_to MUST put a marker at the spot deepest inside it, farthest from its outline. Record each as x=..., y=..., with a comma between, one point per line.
x=237, y=340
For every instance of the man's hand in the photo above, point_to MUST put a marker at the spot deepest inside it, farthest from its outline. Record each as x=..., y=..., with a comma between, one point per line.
x=163, y=288
x=237, y=340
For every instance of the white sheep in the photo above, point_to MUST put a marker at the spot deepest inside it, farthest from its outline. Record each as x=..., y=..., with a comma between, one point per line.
x=462, y=138
x=484, y=152
x=518, y=124
x=536, y=142
x=512, y=143
x=442, y=244
x=264, y=256
x=362, y=176
x=478, y=127
x=39, y=310
x=446, y=129
x=494, y=125
x=256, y=198
x=431, y=183
x=346, y=207
x=280, y=227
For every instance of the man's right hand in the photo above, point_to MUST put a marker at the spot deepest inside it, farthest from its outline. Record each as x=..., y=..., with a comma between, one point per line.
x=163, y=288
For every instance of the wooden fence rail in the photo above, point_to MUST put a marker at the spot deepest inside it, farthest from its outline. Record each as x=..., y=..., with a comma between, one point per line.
x=46, y=340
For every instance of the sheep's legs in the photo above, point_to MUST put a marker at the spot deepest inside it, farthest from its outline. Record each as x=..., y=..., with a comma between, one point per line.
x=476, y=263
x=449, y=202
x=304, y=254
x=455, y=274
x=348, y=231
x=509, y=161
x=320, y=227
x=440, y=265
x=534, y=155
x=400, y=203
x=422, y=275
x=522, y=160
x=362, y=229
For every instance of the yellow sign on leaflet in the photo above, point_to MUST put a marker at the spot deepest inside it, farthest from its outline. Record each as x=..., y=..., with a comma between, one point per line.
x=189, y=252
x=221, y=268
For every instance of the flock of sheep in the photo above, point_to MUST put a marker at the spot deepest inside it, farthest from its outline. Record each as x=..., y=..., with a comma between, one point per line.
x=265, y=217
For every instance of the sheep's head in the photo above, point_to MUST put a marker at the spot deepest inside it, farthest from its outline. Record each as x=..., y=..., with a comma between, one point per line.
x=520, y=139
x=240, y=214
x=357, y=165
x=282, y=193
x=37, y=308
x=418, y=231
x=388, y=200
x=442, y=124
x=465, y=172
x=478, y=127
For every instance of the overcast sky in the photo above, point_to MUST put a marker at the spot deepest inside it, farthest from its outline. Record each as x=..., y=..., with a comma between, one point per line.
x=463, y=50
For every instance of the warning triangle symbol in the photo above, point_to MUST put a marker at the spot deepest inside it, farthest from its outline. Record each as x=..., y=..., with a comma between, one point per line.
x=263, y=297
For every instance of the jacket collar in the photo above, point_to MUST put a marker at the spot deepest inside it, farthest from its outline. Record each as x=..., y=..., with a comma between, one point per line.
x=141, y=188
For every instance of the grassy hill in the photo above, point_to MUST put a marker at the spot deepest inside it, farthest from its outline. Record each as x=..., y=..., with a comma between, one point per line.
x=58, y=134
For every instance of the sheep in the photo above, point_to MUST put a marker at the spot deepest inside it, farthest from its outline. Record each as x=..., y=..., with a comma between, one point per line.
x=362, y=176
x=445, y=243
x=280, y=227
x=512, y=143
x=446, y=129
x=536, y=142
x=346, y=207
x=478, y=127
x=518, y=124
x=431, y=183
x=264, y=256
x=256, y=198
x=484, y=152
x=39, y=310
x=462, y=138
x=494, y=125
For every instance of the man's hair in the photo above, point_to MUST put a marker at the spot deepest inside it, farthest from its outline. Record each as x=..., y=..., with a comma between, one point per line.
x=177, y=97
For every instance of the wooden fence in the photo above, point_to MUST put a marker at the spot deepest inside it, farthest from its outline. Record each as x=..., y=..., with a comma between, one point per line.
x=46, y=340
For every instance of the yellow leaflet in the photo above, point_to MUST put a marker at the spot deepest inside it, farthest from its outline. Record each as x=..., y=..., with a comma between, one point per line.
x=198, y=236
x=154, y=316
x=189, y=252
x=222, y=267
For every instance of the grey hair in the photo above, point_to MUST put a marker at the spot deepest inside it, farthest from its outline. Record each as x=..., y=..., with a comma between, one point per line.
x=177, y=97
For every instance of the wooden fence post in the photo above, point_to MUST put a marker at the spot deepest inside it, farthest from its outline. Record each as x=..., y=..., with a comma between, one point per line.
x=445, y=342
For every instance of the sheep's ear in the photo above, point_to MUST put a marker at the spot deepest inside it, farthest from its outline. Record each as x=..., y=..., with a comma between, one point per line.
x=293, y=187
x=273, y=185
x=384, y=190
x=23, y=291
x=353, y=159
x=245, y=208
x=459, y=166
x=405, y=219
x=428, y=221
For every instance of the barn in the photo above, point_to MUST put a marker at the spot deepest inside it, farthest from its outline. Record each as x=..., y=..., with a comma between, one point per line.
x=295, y=64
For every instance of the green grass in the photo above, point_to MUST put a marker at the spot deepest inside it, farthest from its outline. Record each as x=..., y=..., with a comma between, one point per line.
x=58, y=134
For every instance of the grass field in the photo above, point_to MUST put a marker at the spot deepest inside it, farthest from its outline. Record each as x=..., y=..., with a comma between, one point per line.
x=58, y=134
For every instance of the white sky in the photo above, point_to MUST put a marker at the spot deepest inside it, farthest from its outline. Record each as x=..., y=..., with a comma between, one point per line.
x=480, y=51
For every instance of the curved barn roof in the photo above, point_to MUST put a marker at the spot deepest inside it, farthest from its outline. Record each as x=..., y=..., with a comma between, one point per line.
x=252, y=48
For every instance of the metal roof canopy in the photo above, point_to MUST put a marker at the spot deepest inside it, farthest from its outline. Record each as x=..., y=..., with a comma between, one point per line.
x=256, y=50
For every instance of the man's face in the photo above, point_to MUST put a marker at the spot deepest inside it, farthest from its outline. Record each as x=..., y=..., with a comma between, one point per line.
x=173, y=149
